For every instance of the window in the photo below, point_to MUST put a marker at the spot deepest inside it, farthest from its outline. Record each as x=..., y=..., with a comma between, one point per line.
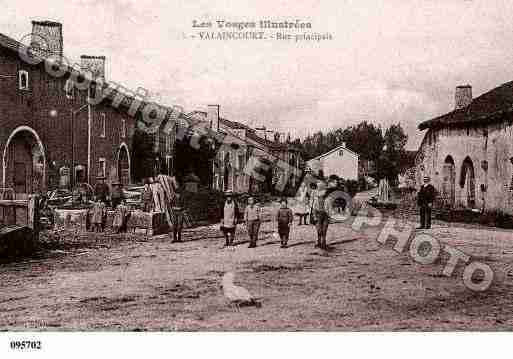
x=169, y=165
x=23, y=80
x=123, y=128
x=216, y=184
x=102, y=125
x=69, y=89
x=92, y=91
x=240, y=165
x=102, y=167
x=168, y=142
x=340, y=153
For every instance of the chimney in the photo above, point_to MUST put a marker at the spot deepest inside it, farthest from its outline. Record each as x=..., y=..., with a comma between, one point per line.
x=344, y=144
x=95, y=64
x=463, y=96
x=47, y=36
x=213, y=117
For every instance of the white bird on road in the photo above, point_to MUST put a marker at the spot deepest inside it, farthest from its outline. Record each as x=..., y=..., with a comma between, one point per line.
x=237, y=295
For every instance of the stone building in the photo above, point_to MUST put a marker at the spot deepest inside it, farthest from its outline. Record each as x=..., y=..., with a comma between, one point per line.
x=468, y=152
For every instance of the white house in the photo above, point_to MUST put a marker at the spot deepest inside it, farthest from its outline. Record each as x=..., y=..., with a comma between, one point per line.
x=340, y=161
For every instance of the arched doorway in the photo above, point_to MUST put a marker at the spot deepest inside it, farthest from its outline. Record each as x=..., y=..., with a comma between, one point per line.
x=24, y=162
x=123, y=164
x=449, y=182
x=468, y=182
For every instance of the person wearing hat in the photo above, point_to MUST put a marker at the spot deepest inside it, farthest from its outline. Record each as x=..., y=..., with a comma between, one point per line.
x=284, y=218
x=229, y=215
x=425, y=199
x=101, y=190
x=321, y=214
x=252, y=217
x=117, y=196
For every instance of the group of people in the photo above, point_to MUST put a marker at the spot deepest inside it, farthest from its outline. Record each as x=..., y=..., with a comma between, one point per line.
x=103, y=198
x=318, y=208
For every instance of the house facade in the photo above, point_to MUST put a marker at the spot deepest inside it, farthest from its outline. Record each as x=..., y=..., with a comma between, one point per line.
x=56, y=133
x=340, y=161
x=468, y=152
x=242, y=144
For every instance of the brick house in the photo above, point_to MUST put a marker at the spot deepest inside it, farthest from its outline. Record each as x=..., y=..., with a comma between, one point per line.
x=51, y=135
x=468, y=152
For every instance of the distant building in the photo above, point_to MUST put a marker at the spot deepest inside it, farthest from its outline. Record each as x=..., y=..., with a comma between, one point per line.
x=468, y=152
x=242, y=144
x=340, y=161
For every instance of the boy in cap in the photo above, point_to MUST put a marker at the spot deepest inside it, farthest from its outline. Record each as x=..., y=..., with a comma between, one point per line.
x=284, y=218
x=252, y=216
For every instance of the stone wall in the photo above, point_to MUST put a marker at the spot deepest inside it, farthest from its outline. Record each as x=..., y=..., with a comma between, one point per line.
x=486, y=148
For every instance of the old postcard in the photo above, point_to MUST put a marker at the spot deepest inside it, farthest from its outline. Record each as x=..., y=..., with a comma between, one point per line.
x=255, y=166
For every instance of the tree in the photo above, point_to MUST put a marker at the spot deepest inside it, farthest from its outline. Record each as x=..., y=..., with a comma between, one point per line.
x=364, y=139
x=392, y=157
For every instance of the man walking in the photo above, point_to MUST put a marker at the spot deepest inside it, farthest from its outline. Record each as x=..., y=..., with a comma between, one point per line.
x=322, y=218
x=229, y=217
x=252, y=217
x=425, y=199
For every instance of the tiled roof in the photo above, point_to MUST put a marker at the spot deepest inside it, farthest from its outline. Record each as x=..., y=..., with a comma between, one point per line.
x=9, y=43
x=251, y=133
x=333, y=150
x=489, y=107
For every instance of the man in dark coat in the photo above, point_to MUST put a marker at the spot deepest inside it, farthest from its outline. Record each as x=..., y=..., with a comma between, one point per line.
x=425, y=199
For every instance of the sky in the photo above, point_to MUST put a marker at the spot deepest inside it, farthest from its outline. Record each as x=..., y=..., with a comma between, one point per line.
x=390, y=61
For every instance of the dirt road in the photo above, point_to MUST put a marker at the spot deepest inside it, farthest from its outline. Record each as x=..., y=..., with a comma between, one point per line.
x=128, y=283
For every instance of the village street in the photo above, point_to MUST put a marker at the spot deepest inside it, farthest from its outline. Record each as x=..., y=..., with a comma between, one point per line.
x=125, y=282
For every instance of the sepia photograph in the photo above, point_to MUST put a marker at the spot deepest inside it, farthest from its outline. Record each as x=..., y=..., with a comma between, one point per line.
x=255, y=166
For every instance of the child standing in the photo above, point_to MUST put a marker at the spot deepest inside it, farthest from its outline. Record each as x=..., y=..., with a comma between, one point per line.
x=284, y=218
x=98, y=214
x=252, y=215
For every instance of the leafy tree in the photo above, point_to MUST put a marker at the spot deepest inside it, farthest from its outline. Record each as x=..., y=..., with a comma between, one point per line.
x=365, y=139
x=391, y=160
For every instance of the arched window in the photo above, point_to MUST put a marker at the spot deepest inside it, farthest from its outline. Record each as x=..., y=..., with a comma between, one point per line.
x=23, y=80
